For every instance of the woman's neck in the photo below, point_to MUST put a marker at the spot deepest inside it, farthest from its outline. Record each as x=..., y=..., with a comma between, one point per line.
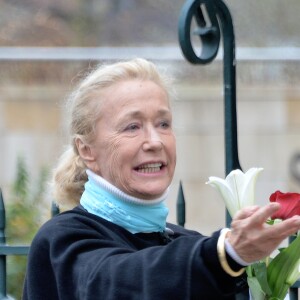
x=104, y=184
x=135, y=215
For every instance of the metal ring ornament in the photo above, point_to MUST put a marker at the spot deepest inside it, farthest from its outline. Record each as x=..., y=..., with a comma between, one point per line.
x=208, y=30
x=295, y=166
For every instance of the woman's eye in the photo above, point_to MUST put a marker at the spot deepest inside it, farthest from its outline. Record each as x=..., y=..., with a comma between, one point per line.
x=165, y=124
x=132, y=127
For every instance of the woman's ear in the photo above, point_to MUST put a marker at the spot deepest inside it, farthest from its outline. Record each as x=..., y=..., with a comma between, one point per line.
x=86, y=153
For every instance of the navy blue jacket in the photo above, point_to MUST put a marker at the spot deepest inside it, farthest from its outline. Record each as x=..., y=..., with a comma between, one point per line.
x=77, y=255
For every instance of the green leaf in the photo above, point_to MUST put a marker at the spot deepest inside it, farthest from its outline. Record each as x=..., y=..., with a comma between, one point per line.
x=281, y=271
x=255, y=289
x=260, y=271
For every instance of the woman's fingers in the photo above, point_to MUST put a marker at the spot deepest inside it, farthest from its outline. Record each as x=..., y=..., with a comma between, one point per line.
x=285, y=228
x=252, y=238
x=260, y=214
x=246, y=212
x=263, y=213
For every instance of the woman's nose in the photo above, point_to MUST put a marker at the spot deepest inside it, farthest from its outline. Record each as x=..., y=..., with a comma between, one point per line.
x=152, y=140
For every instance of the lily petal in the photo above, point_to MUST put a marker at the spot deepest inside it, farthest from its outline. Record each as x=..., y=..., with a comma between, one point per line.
x=237, y=190
x=226, y=192
x=248, y=192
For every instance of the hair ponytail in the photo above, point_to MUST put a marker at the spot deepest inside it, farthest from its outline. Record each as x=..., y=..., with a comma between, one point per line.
x=68, y=179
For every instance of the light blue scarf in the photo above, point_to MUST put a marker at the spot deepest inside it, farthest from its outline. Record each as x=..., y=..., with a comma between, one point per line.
x=135, y=215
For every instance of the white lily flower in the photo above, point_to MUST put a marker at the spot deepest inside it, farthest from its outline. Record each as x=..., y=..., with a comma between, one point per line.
x=237, y=190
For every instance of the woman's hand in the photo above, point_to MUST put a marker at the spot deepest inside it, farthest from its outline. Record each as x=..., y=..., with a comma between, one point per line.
x=252, y=238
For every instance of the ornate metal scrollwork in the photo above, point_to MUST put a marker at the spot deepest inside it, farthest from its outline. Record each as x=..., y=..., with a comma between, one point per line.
x=213, y=20
x=208, y=30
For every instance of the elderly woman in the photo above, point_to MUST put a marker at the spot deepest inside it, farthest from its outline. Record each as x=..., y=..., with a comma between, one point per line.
x=115, y=244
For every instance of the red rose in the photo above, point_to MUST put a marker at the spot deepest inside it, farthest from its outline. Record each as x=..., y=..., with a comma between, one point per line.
x=290, y=205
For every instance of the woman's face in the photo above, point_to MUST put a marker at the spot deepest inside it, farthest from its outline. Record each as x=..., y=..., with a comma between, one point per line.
x=135, y=147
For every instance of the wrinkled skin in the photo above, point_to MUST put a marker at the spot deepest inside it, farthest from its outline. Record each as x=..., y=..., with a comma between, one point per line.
x=252, y=238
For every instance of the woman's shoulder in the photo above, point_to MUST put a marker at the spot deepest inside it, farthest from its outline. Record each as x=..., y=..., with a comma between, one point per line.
x=72, y=222
x=66, y=218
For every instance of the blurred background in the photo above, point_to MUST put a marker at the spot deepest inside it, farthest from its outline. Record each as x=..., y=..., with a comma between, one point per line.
x=47, y=45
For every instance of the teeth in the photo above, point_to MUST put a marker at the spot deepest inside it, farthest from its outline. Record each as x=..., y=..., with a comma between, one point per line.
x=150, y=168
x=154, y=165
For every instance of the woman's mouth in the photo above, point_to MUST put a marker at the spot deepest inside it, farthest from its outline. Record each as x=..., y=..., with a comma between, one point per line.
x=150, y=168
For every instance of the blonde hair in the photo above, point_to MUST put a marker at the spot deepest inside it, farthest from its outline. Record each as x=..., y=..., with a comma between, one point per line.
x=84, y=106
